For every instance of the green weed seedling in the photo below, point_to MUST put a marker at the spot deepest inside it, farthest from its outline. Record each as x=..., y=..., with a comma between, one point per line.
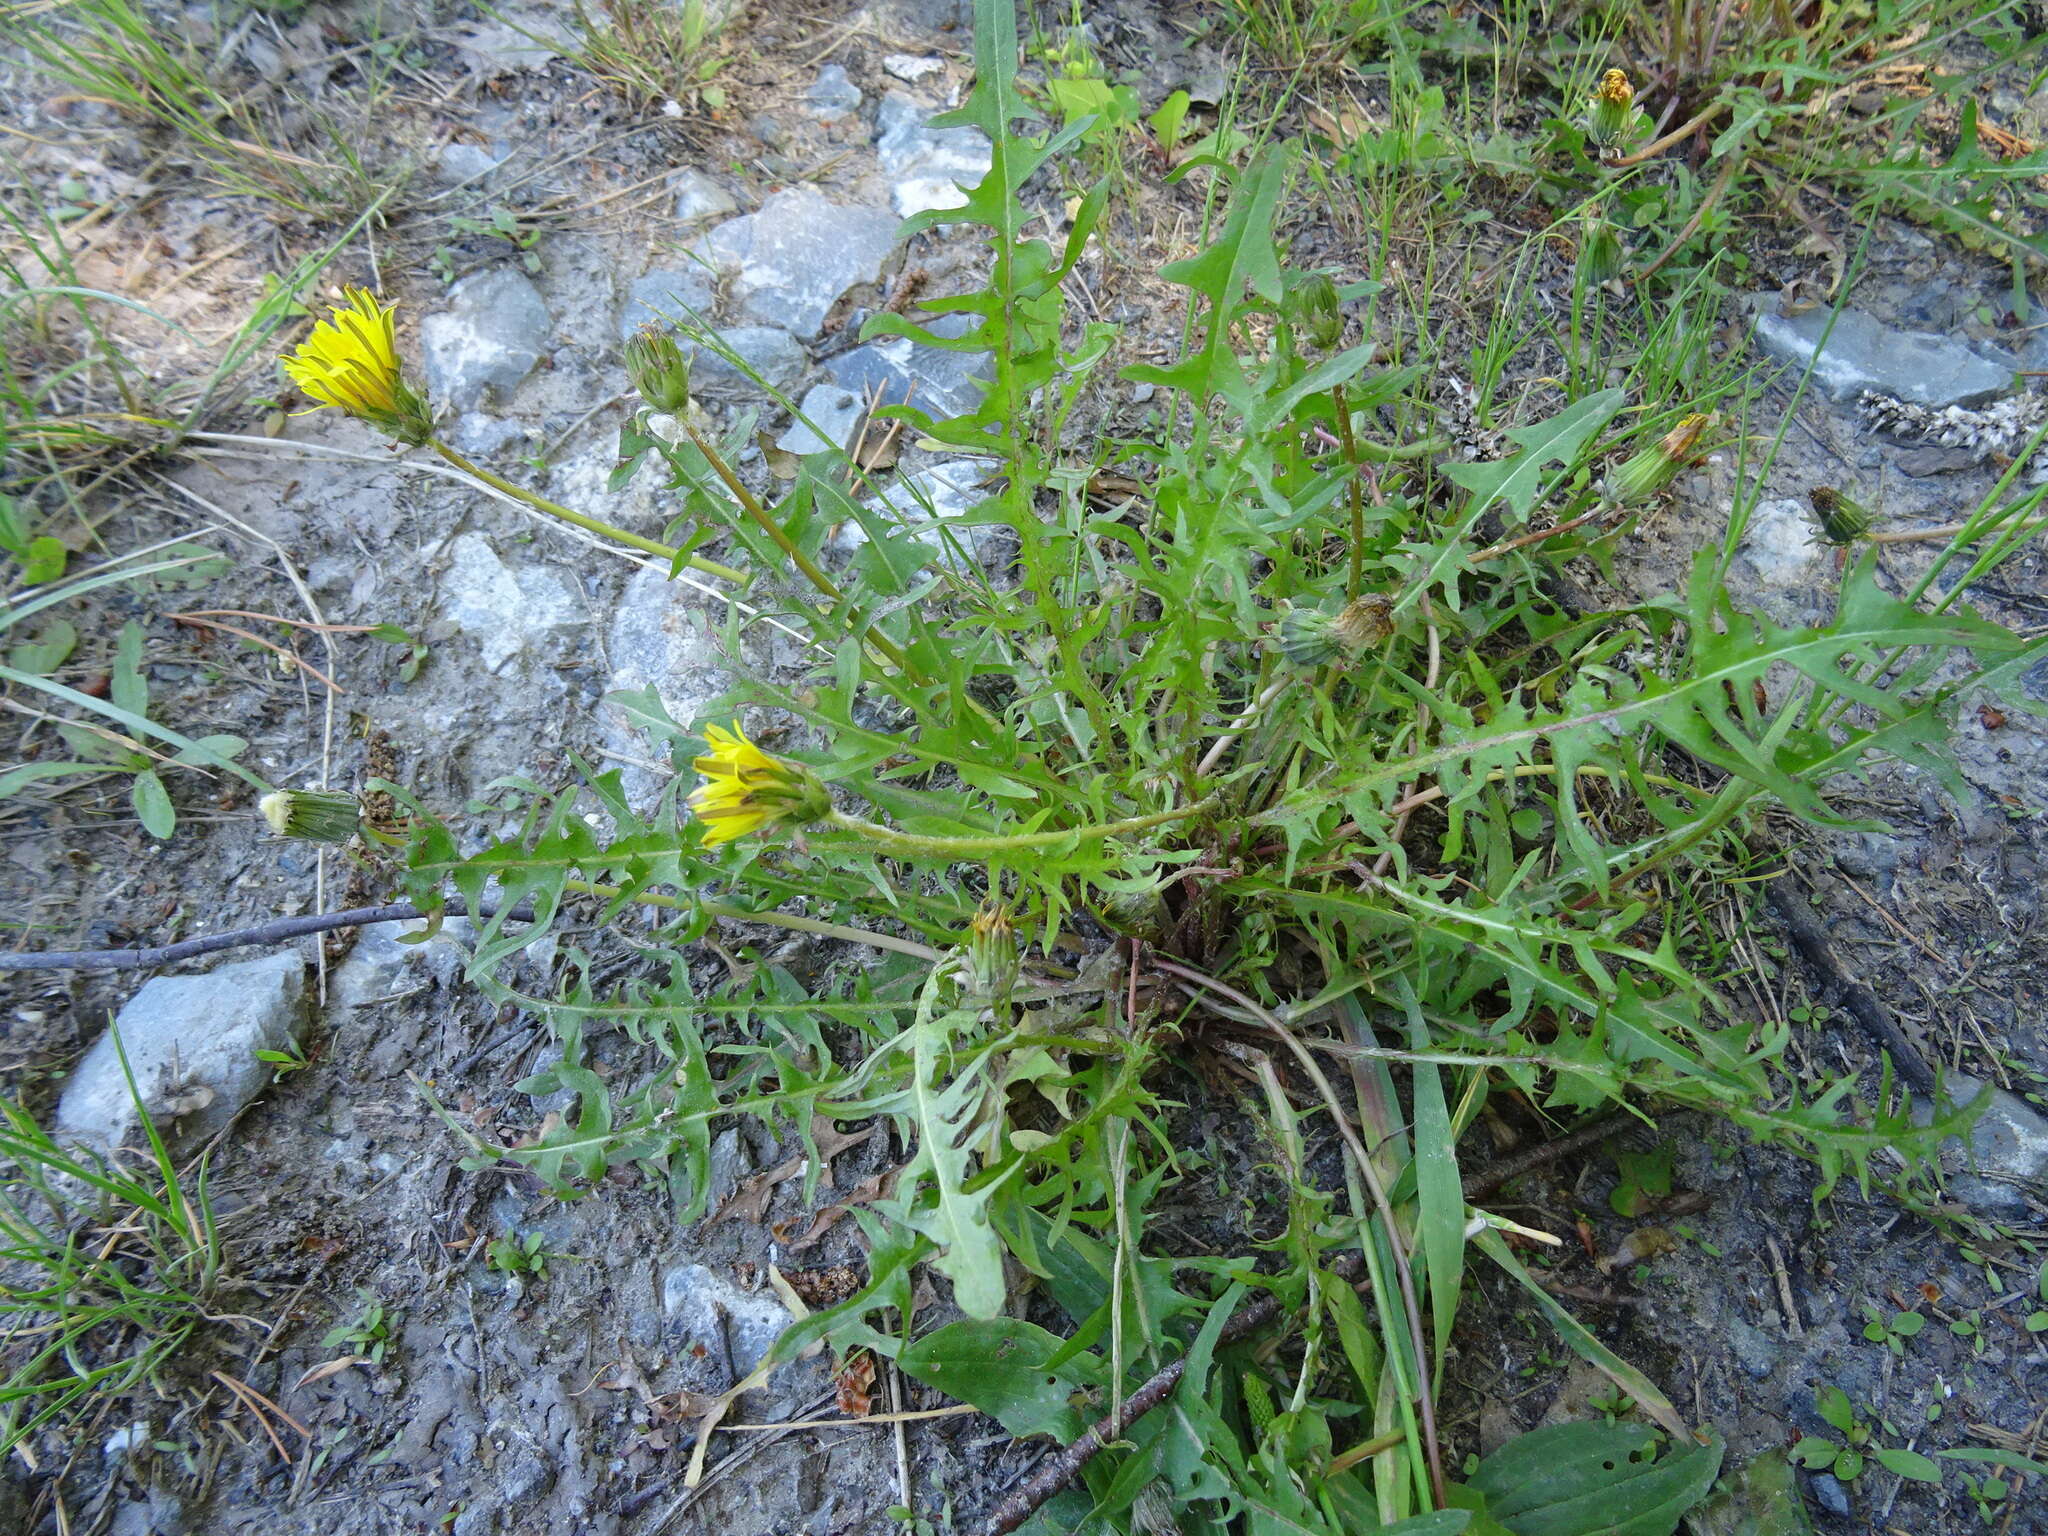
x=520, y=1257
x=498, y=223
x=1849, y=1457
x=370, y=1333
x=284, y=1063
x=1891, y=1330
x=1645, y=1179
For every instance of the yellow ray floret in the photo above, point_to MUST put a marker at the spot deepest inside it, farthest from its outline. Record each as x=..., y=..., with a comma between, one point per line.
x=350, y=362
x=745, y=789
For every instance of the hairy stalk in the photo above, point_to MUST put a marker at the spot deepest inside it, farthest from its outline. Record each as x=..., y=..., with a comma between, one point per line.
x=913, y=845
x=774, y=919
x=751, y=505
x=581, y=520
x=1356, y=574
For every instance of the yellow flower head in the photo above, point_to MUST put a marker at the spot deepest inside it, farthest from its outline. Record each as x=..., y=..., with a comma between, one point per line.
x=350, y=362
x=1614, y=87
x=745, y=789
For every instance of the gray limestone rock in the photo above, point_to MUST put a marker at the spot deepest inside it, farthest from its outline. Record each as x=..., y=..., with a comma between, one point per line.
x=941, y=382
x=699, y=198
x=483, y=435
x=925, y=165
x=1753, y=1349
x=459, y=163
x=668, y=295
x=1779, y=543
x=661, y=638
x=795, y=258
x=777, y=357
x=910, y=68
x=487, y=340
x=1918, y=366
x=2008, y=1153
x=381, y=963
x=191, y=1043
x=925, y=502
x=1829, y=1493
x=714, y=1312
x=833, y=410
x=832, y=95
x=507, y=611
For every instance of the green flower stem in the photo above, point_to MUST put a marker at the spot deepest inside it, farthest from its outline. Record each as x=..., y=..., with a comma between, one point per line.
x=1356, y=576
x=912, y=845
x=589, y=524
x=751, y=504
x=776, y=919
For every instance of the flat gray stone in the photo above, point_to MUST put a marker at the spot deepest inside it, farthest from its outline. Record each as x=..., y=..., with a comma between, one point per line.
x=458, y=163
x=710, y=1310
x=699, y=198
x=795, y=258
x=485, y=434
x=666, y=296
x=835, y=412
x=191, y=1043
x=777, y=357
x=926, y=166
x=2008, y=1153
x=910, y=68
x=832, y=95
x=380, y=964
x=662, y=638
x=1753, y=1349
x=507, y=611
x=1919, y=366
x=1829, y=1493
x=1778, y=543
x=487, y=340
x=924, y=502
x=933, y=379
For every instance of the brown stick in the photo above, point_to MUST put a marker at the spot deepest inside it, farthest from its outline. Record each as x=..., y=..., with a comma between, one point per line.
x=263, y=933
x=1056, y=1472
x=1484, y=1181
x=1871, y=1015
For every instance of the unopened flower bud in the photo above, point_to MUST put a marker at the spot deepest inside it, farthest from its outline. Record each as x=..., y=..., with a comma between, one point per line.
x=1841, y=521
x=1600, y=254
x=1658, y=465
x=992, y=952
x=659, y=369
x=318, y=815
x=1318, y=313
x=1611, y=114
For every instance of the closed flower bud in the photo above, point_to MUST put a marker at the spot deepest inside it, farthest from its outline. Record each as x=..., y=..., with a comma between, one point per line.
x=992, y=952
x=1611, y=114
x=318, y=815
x=1318, y=313
x=1840, y=521
x=1651, y=470
x=659, y=369
x=1311, y=638
x=1600, y=254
